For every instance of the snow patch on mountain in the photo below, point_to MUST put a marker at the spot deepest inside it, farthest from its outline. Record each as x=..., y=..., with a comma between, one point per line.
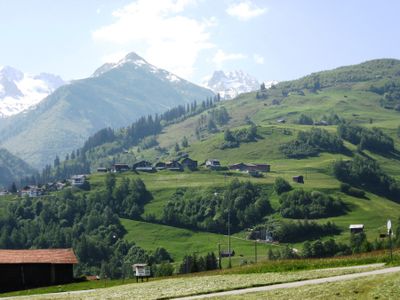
x=231, y=84
x=138, y=62
x=20, y=91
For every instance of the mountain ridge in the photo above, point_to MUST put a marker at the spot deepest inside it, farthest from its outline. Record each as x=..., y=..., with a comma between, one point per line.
x=114, y=98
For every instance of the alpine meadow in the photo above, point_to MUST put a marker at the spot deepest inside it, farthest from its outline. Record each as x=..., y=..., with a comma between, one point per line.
x=135, y=183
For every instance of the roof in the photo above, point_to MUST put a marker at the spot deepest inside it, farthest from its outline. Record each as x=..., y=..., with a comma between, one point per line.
x=39, y=256
x=356, y=226
x=140, y=265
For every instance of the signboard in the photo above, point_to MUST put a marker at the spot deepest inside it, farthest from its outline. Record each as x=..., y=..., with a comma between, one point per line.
x=142, y=271
x=389, y=226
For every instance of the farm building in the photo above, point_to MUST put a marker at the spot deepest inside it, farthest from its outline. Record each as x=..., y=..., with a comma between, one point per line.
x=213, y=164
x=227, y=253
x=142, y=165
x=356, y=228
x=246, y=167
x=160, y=165
x=31, y=191
x=298, y=179
x=102, y=170
x=120, y=168
x=189, y=163
x=78, y=180
x=173, y=165
x=20, y=269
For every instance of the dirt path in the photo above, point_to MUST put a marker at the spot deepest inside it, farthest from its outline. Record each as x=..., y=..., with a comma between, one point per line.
x=295, y=284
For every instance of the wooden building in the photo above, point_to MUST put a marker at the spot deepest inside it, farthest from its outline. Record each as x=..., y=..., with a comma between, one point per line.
x=120, y=168
x=189, y=163
x=21, y=269
x=356, y=228
x=298, y=179
x=246, y=167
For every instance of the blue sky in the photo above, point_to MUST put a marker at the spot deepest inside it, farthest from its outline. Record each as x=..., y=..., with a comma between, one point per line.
x=270, y=39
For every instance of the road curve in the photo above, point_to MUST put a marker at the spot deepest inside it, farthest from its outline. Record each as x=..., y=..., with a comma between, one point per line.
x=294, y=284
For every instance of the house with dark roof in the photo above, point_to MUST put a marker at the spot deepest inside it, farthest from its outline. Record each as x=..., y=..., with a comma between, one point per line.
x=160, y=165
x=21, y=269
x=247, y=167
x=144, y=166
x=173, y=165
x=189, y=163
x=213, y=164
x=120, y=168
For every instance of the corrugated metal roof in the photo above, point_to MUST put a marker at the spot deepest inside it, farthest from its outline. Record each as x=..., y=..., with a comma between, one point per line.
x=38, y=256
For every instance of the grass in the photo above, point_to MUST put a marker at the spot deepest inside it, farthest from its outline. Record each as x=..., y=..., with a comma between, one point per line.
x=386, y=286
x=252, y=275
x=192, y=285
x=180, y=242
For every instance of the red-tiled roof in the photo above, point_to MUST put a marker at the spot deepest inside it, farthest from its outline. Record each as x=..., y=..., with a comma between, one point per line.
x=39, y=256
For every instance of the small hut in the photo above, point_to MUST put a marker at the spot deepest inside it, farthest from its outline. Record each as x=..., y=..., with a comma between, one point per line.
x=356, y=228
x=298, y=179
x=141, y=271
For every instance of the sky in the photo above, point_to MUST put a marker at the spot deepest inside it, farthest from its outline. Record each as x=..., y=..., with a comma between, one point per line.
x=269, y=39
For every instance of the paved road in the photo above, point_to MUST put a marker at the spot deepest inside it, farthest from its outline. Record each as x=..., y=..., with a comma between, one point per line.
x=295, y=284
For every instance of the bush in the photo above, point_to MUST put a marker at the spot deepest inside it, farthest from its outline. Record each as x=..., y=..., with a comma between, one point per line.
x=370, y=139
x=293, y=232
x=349, y=190
x=310, y=143
x=305, y=120
x=300, y=204
x=281, y=186
x=205, y=209
x=366, y=173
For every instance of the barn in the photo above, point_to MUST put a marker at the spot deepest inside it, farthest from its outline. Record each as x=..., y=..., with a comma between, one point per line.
x=21, y=269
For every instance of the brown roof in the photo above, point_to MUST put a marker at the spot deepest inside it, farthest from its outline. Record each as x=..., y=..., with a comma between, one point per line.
x=39, y=256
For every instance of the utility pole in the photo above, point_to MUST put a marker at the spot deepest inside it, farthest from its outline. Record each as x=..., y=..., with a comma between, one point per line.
x=255, y=251
x=229, y=238
x=219, y=256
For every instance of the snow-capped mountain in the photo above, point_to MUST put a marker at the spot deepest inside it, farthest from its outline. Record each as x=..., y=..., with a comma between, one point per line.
x=231, y=84
x=20, y=91
x=114, y=96
x=138, y=63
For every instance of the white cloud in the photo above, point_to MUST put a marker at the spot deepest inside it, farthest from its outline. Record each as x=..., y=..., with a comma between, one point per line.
x=258, y=59
x=220, y=57
x=245, y=10
x=168, y=39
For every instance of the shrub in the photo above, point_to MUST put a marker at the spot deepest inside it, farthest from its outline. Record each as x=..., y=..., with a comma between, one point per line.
x=300, y=204
x=349, y=190
x=281, y=186
x=367, y=174
x=310, y=143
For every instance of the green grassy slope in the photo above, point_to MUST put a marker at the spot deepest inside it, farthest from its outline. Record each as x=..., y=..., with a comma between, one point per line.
x=349, y=99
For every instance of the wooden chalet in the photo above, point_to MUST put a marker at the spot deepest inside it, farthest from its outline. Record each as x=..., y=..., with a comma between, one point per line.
x=227, y=253
x=21, y=269
x=247, y=167
x=189, y=163
x=298, y=179
x=213, y=164
x=356, y=228
x=160, y=165
x=144, y=166
x=120, y=168
x=174, y=165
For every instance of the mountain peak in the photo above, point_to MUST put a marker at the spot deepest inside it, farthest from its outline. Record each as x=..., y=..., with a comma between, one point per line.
x=229, y=84
x=20, y=91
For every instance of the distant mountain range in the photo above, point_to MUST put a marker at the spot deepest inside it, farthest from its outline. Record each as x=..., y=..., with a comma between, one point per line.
x=12, y=168
x=230, y=84
x=21, y=91
x=116, y=95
